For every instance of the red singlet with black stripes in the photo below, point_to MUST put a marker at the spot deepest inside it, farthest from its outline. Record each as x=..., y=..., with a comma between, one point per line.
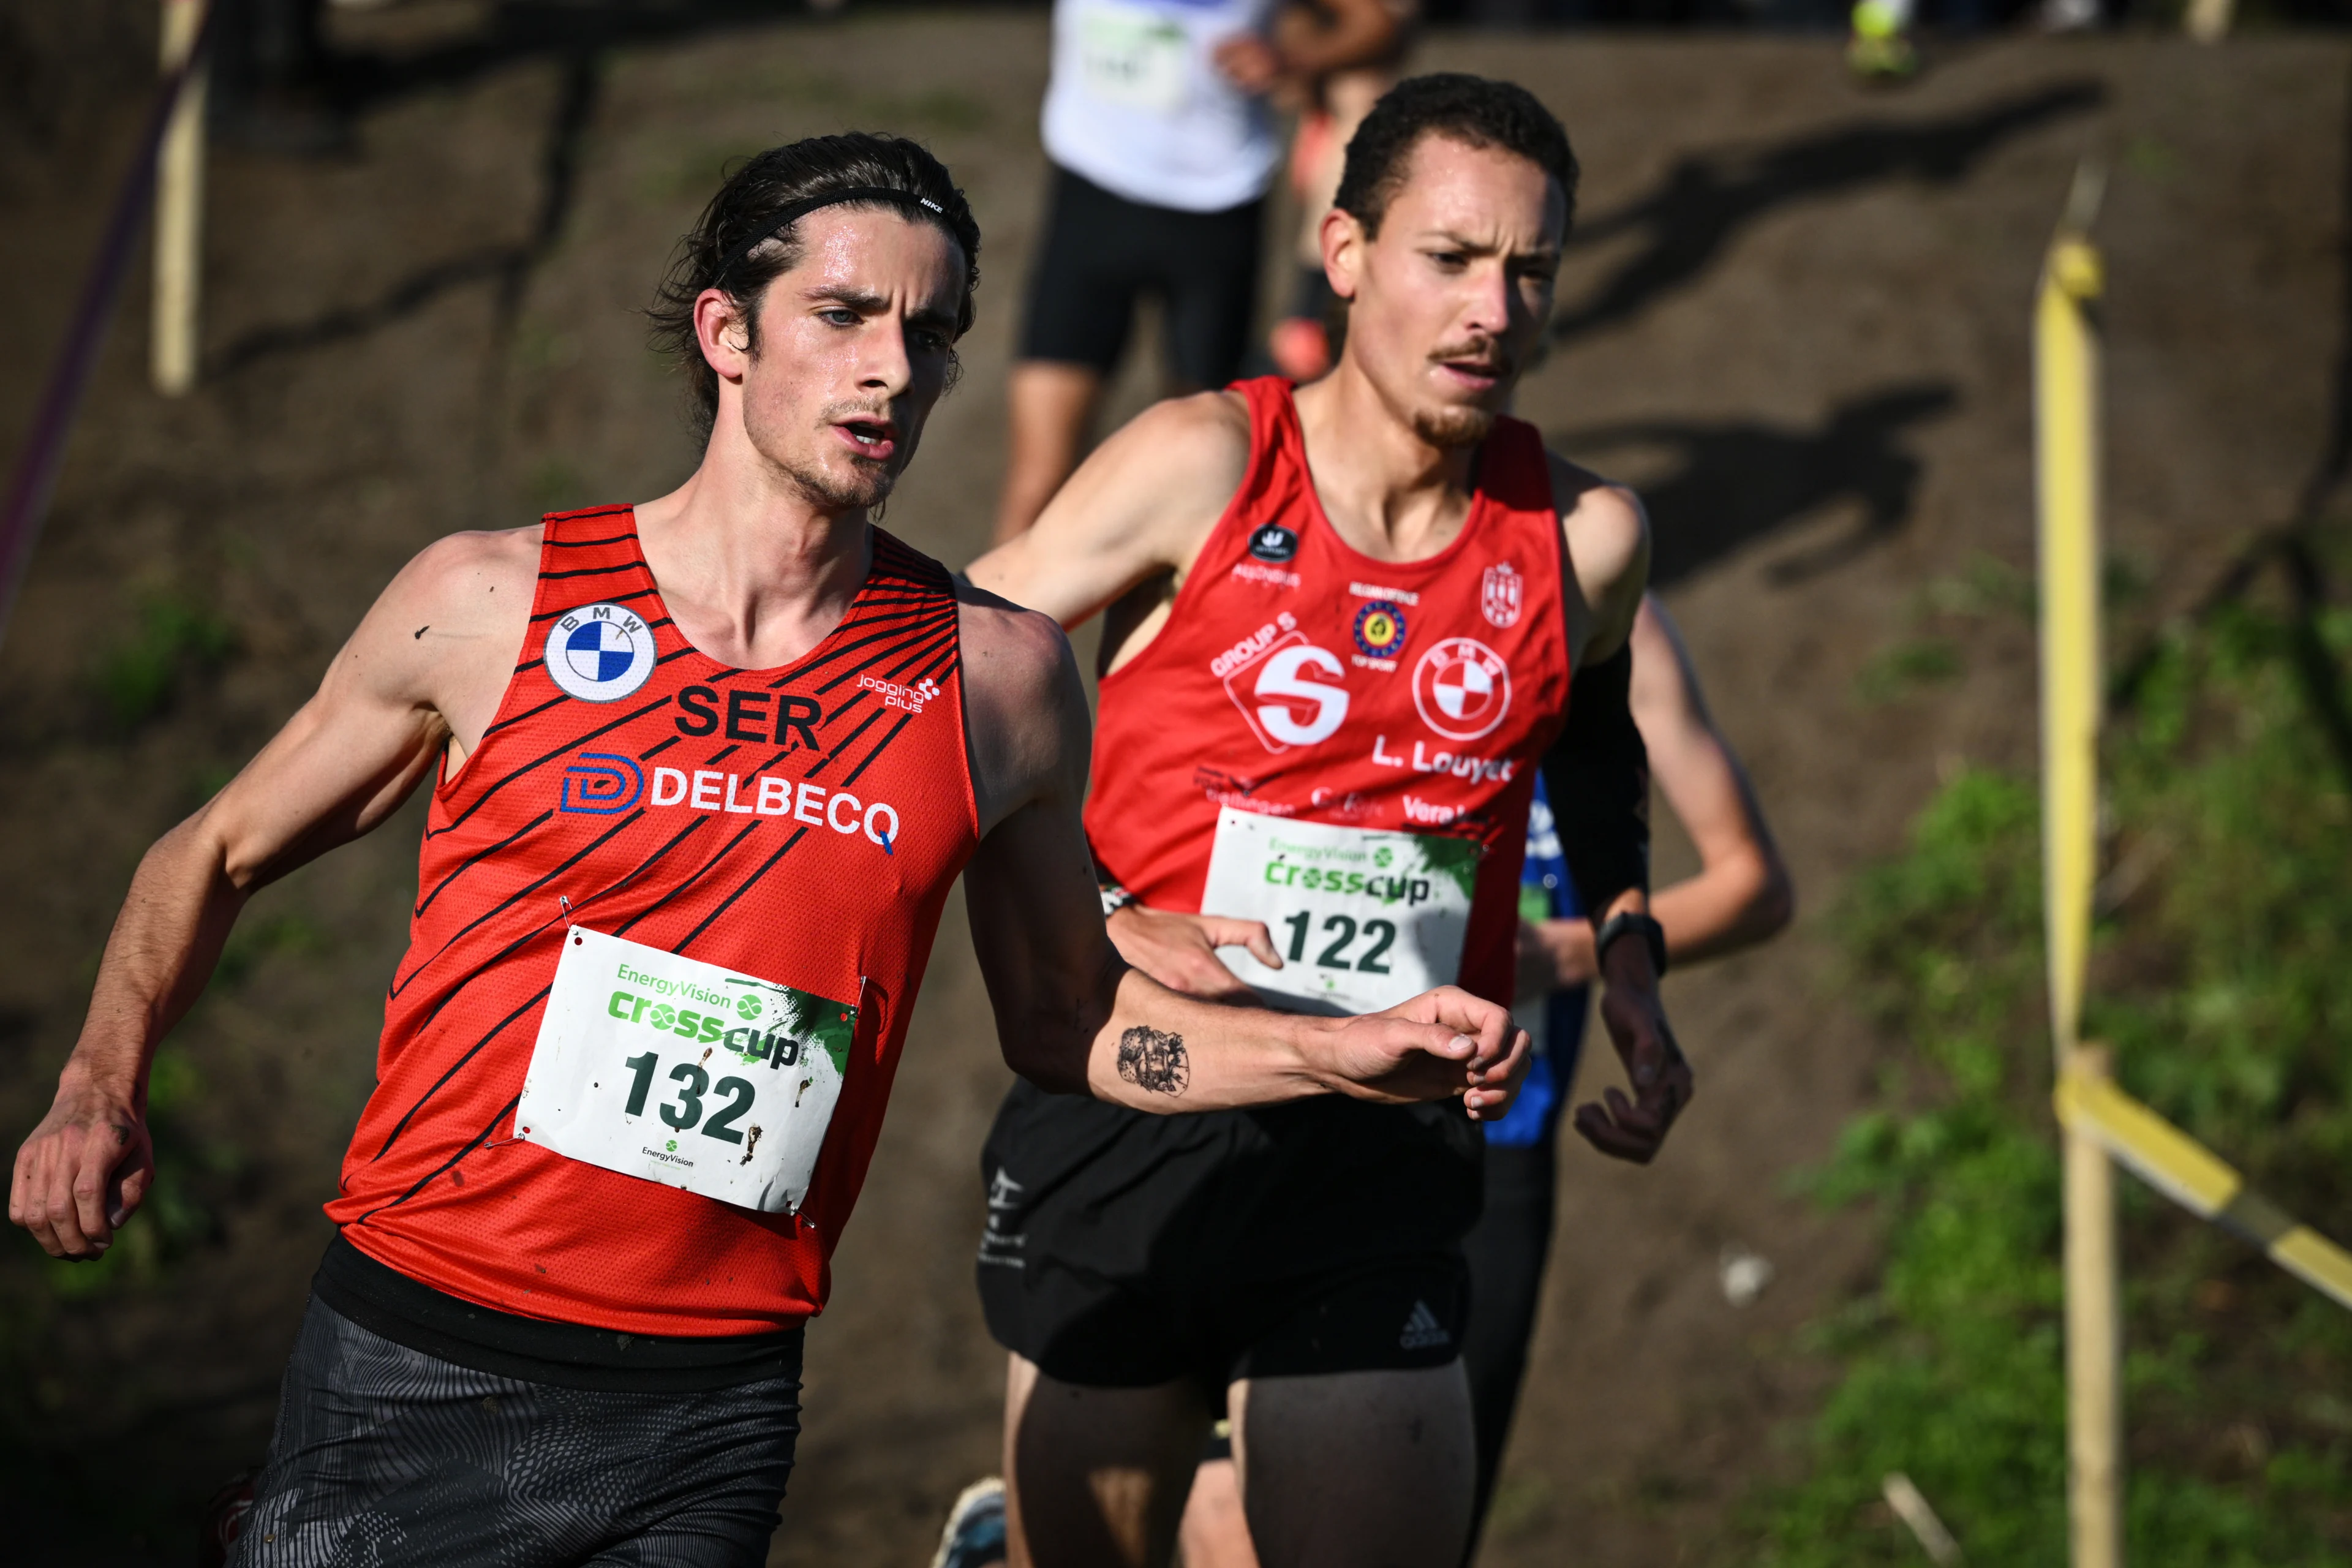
x=1298, y=678
x=802, y=824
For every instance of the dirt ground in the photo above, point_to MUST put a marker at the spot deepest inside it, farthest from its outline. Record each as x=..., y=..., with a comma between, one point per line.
x=1795, y=314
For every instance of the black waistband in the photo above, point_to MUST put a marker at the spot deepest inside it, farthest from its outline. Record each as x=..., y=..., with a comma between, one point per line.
x=569, y=1355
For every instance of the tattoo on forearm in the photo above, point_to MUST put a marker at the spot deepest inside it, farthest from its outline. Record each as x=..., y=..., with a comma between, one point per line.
x=1154, y=1060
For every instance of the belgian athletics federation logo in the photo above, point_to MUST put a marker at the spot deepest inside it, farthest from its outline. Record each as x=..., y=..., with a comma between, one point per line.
x=600, y=653
x=1380, y=629
x=1499, y=593
x=1462, y=688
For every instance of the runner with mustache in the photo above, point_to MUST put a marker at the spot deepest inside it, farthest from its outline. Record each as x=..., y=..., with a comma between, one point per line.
x=1340, y=631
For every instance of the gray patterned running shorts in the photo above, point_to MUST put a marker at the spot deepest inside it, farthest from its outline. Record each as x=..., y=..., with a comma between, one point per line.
x=385, y=1456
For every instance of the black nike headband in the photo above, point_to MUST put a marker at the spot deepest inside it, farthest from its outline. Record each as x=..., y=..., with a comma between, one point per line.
x=785, y=216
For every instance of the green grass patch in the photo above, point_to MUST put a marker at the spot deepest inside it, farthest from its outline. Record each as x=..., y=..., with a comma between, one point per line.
x=1926, y=661
x=173, y=639
x=2220, y=979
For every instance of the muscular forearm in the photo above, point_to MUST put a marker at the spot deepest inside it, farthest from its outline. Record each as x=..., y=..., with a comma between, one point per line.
x=1736, y=902
x=162, y=952
x=1162, y=1051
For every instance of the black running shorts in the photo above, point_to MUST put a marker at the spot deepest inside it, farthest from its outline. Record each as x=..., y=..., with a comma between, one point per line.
x=1101, y=251
x=389, y=1457
x=1124, y=1250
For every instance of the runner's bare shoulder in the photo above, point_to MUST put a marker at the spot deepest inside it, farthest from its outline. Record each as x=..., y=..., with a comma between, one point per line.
x=451, y=620
x=1171, y=469
x=1026, y=722
x=1608, y=544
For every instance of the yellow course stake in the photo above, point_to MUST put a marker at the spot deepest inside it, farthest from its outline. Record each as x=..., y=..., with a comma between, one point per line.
x=179, y=211
x=2102, y=1125
x=2191, y=1175
x=2067, y=425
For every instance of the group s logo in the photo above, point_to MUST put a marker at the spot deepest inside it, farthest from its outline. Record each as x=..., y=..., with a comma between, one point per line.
x=1462, y=689
x=1285, y=704
x=600, y=784
x=600, y=653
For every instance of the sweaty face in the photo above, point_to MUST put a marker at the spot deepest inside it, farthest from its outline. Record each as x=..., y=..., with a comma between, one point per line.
x=1450, y=295
x=855, y=344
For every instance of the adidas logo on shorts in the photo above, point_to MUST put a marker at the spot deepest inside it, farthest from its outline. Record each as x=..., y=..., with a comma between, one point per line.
x=1423, y=1330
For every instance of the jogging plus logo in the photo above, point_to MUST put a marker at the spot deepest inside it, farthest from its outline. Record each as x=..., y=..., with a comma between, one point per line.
x=909, y=699
x=600, y=784
x=599, y=653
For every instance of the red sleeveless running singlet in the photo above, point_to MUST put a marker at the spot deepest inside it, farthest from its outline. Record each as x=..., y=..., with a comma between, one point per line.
x=801, y=825
x=1299, y=677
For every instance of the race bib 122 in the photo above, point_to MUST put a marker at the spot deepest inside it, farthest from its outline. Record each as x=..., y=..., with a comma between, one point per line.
x=1363, y=919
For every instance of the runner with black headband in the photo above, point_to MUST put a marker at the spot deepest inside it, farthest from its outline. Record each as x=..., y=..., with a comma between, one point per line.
x=702, y=774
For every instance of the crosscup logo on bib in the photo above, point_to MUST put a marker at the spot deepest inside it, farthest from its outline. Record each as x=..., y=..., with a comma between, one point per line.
x=600, y=653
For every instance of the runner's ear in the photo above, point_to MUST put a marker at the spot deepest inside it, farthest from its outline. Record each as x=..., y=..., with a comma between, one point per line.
x=1343, y=252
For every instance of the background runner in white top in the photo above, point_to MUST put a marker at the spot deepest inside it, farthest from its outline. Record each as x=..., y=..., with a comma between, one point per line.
x=1138, y=105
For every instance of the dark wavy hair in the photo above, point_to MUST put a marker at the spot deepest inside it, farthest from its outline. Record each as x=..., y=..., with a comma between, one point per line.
x=1471, y=110
x=746, y=204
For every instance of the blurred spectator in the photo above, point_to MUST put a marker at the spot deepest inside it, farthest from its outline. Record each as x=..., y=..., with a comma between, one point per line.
x=1163, y=140
x=1304, y=341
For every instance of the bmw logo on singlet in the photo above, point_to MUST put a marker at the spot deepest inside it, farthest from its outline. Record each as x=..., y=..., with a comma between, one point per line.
x=600, y=653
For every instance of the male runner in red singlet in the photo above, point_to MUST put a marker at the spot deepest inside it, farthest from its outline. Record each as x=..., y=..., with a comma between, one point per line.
x=704, y=771
x=1342, y=630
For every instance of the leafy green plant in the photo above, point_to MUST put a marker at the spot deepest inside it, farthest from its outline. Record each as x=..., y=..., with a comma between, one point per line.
x=138, y=678
x=2221, y=983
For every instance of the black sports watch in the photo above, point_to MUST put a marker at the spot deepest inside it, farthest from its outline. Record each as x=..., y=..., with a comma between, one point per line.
x=1625, y=922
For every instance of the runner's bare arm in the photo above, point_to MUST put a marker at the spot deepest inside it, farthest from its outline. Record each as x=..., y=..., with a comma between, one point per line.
x=1140, y=506
x=1310, y=42
x=432, y=655
x=1608, y=539
x=1741, y=894
x=1072, y=1015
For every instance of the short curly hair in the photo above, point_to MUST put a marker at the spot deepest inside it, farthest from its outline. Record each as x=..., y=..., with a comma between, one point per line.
x=748, y=204
x=1472, y=110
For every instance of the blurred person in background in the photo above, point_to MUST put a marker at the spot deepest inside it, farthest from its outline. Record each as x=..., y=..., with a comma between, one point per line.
x=1161, y=136
x=1740, y=896
x=1305, y=340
